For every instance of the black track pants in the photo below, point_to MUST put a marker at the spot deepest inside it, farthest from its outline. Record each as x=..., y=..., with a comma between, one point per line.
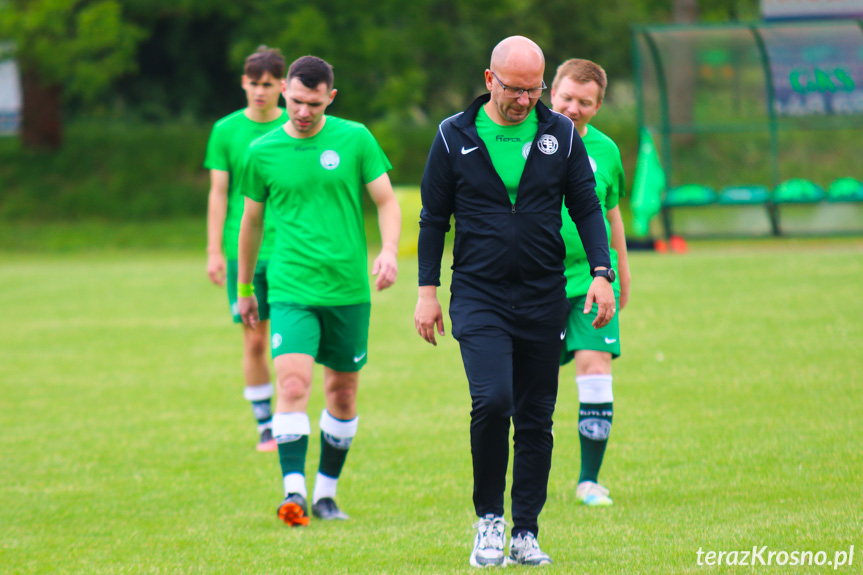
x=511, y=360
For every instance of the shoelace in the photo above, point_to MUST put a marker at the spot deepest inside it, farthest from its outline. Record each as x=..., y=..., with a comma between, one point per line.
x=588, y=488
x=482, y=522
x=491, y=532
x=495, y=535
x=528, y=546
x=597, y=489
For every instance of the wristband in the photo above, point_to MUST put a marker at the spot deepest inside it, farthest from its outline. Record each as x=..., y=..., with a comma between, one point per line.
x=245, y=290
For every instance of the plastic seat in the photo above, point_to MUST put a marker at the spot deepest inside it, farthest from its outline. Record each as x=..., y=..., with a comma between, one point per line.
x=744, y=195
x=845, y=190
x=798, y=191
x=690, y=195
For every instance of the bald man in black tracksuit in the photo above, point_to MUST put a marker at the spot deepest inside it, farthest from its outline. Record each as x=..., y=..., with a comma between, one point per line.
x=508, y=304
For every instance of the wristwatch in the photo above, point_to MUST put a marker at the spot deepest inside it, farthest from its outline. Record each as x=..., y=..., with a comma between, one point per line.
x=607, y=274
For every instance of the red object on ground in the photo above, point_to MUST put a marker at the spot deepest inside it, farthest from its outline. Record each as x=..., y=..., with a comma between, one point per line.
x=660, y=246
x=678, y=244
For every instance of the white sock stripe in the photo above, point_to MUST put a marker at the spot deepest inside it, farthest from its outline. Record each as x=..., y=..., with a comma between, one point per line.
x=594, y=388
x=296, y=423
x=258, y=392
x=324, y=487
x=295, y=483
x=337, y=427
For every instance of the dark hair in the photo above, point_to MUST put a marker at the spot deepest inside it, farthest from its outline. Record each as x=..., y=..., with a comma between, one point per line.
x=311, y=71
x=265, y=60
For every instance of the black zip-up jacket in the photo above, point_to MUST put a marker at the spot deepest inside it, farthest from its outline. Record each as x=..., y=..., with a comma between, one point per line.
x=504, y=253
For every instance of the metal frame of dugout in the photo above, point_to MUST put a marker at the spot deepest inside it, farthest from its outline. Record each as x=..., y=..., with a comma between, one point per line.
x=765, y=116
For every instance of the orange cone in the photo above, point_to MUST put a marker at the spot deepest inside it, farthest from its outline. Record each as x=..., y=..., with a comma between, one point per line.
x=678, y=244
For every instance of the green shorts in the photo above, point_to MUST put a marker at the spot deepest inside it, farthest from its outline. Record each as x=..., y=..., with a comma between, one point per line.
x=261, y=291
x=581, y=335
x=336, y=336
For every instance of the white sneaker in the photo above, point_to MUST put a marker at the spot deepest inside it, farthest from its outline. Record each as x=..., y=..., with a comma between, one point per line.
x=488, y=543
x=593, y=494
x=524, y=550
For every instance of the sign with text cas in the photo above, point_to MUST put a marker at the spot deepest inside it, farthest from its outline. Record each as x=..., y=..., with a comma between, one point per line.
x=816, y=70
x=786, y=9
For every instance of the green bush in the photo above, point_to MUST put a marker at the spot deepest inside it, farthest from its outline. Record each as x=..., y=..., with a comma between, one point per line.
x=406, y=140
x=107, y=171
x=135, y=171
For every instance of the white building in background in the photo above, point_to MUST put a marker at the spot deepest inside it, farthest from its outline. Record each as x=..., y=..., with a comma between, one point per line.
x=808, y=9
x=10, y=96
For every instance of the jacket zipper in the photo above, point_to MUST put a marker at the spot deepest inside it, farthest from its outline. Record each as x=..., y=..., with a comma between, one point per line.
x=514, y=261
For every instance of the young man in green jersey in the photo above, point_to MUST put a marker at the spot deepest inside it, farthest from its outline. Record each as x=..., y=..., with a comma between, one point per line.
x=262, y=81
x=577, y=92
x=311, y=173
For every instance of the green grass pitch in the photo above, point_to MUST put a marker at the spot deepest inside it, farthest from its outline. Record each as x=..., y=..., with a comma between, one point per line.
x=126, y=446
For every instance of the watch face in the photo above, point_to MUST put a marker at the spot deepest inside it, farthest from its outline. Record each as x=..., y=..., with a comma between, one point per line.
x=608, y=274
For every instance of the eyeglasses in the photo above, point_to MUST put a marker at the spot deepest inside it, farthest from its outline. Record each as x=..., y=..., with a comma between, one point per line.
x=511, y=92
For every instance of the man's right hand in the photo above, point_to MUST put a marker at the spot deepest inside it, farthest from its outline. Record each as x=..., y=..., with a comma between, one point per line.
x=248, y=308
x=601, y=293
x=216, y=268
x=428, y=314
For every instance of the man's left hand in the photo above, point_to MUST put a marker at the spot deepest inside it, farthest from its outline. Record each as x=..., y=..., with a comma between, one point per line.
x=602, y=294
x=386, y=268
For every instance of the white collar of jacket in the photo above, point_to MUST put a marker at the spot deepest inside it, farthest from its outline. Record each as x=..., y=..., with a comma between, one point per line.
x=466, y=121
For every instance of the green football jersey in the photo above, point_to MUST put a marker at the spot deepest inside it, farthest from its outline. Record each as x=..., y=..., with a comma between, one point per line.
x=604, y=158
x=508, y=147
x=314, y=190
x=226, y=151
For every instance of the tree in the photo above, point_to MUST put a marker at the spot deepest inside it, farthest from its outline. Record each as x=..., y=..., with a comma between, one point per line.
x=64, y=47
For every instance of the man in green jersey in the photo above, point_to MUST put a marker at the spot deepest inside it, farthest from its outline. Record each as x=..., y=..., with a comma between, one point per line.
x=577, y=92
x=311, y=174
x=262, y=81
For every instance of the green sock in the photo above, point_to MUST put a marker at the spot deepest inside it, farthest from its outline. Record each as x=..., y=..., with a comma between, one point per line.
x=334, y=451
x=594, y=426
x=292, y=455
x=263, y=414
x=259, y=396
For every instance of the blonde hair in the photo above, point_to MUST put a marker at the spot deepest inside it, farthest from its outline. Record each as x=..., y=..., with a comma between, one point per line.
x=583, y=72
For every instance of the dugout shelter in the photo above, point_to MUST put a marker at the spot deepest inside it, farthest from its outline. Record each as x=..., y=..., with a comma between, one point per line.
x=757, y=129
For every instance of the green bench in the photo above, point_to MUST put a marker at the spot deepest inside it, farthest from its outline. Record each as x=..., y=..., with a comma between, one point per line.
x=798, y=191
x=744, y=195
x=794, y=191
x=689, y=195
x=845, y=190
